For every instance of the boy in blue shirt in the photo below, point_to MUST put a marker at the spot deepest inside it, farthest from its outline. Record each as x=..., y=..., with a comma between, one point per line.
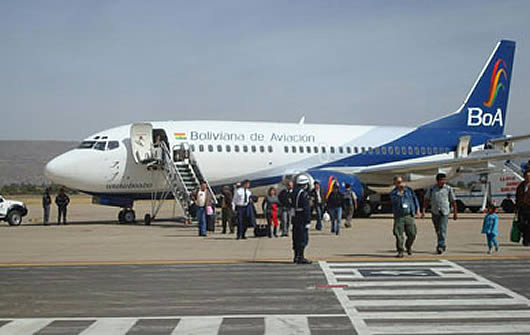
x=490, y=227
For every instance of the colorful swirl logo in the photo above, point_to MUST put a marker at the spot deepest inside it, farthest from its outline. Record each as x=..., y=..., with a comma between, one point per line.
x=495, y=84
x=332, y=181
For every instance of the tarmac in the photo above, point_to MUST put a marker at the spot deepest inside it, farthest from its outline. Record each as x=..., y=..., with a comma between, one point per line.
x=95, y=276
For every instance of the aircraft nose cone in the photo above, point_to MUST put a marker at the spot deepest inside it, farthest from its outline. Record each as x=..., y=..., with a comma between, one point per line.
x=59, y=170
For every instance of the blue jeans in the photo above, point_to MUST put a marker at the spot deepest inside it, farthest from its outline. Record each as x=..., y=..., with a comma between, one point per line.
x=201, y=217
x=440, y=226
x=336, y=215
x=492, y=241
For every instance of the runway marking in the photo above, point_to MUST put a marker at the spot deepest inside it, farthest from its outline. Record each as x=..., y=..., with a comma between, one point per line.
x=109, y=326
x=197, y=326
x=24, y=326
x=298, y=325
x=444, y=304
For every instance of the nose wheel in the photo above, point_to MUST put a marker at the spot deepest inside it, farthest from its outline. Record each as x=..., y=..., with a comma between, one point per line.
x=126, y=215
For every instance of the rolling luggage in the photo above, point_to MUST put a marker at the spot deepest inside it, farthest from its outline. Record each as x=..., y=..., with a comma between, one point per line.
x=261, y=230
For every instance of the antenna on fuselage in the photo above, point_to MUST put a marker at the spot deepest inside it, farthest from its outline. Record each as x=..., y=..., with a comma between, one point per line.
x=302, y=120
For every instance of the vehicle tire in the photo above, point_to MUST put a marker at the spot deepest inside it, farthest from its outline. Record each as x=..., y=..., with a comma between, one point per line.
x=365, y=210
x=474, y=209
x=14, y=218
x=129, y=216
x=508, y=206
x=460, y=206
x=120, y=216
x=147, y=219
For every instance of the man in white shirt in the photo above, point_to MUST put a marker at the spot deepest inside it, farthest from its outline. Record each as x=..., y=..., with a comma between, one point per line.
x=240, y=203
x=201, y=200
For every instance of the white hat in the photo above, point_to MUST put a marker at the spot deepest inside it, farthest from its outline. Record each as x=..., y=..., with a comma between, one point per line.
x=302, y=180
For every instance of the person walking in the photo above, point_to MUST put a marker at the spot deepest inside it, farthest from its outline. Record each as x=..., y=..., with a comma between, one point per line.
x=201, y=198
x=350, y=205
x=226, y=209
x=62, y=200
x=441, y=197
x=490, y=227
x=522, y=207
x=405, y=207
x=46, y=203
x=301, y=220
x=335, y=202
x=241, y=204
x=270, y=206
x=287, y=211
x=318, y=203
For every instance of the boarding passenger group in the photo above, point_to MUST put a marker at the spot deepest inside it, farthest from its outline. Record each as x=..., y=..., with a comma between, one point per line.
x=290, y=210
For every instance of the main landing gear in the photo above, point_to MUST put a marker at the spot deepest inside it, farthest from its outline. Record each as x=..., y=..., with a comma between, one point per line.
x=127, y=215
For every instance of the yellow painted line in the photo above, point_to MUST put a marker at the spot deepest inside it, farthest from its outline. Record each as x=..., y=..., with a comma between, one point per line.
x=235, y=261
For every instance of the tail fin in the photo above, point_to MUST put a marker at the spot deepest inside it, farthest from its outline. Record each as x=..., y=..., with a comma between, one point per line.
x=485, y=108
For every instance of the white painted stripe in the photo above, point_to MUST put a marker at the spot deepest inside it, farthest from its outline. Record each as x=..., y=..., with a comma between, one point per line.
x=198, y=326
x=410, y=283
x=436, y=328
x=335, y=266
x=498, y=314
x=434, y=302
x=24, y=326
x=357, y=321
x=109, y=326
x=450, y=291
x=280, y=325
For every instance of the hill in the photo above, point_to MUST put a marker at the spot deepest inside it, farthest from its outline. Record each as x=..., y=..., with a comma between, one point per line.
x=24, y=161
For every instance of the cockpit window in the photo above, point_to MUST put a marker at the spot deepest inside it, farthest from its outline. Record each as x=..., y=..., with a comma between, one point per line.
x=100, y=146
x=86, y=145
x=113, y=145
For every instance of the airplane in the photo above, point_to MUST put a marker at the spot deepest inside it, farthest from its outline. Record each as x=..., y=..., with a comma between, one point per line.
x=121, y=165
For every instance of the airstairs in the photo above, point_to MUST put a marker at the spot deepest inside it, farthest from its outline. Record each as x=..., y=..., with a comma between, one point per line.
x=181, y=172
x=514, y=169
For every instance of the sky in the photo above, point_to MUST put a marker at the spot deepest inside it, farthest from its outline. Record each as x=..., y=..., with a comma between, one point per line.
x=72, y=68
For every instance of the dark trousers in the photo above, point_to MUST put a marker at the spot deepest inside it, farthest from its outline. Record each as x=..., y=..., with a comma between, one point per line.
x=524, y=225
x=227, y=219
x=242, y=221
x=61, y=214
x=318, y=210
x=46, y=214
x=300, y=234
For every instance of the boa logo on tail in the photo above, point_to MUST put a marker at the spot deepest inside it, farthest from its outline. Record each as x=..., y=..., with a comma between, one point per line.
x=495, y=83
x=332, y=181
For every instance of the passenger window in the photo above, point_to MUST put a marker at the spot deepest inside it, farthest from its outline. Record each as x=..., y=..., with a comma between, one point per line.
x=411, y=151
x=356, y=149
x=301, y=149
x=315, y=150
x=396, y=150
x=323, y=150
x=245, y=148
x=286, y=149
x=403, y=150
x=293, y=149
x=228, y=148
x=201, y=147
x=441, y=150
x=435, y=150
x=270, y=148
x=236, y=148
x=341, y=150
x=113, y=145
x=417, y=150
x=210, y=148
x=219, y=148
x=348, y=150
x=447, y=150
x=363, y=150
x=390, y=150
x=261, y=148
x=192, y=148
x=429, y=150
x=370, y=150
x=308, y=149
x=423, y=150
x=253, y=148
x=377, y=151
x=100, y=146
x=332, y=150
x=383, y=150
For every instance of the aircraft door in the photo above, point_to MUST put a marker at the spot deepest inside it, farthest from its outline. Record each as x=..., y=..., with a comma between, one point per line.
x=181, y=152
x=141, y=141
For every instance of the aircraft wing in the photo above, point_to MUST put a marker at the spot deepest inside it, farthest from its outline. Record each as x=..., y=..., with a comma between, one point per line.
x=478, y=160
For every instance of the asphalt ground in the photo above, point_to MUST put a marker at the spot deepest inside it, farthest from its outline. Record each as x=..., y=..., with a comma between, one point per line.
x=404, y=297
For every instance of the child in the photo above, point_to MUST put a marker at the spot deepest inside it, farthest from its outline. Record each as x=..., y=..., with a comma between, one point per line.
x=490, y=228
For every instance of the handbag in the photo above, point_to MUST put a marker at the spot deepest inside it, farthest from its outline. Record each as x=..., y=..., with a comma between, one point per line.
x=326, y=217
x=515, y=233
x=209, y=210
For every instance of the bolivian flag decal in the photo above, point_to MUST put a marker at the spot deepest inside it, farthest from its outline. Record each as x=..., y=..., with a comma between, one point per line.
x=180, y=136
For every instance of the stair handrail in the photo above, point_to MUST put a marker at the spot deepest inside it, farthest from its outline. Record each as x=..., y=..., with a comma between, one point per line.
x=199, y=176
x=171, y=166
x=514, y=169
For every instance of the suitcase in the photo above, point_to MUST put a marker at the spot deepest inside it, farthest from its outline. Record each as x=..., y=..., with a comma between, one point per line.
x=210, y=223
x=261, y=230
